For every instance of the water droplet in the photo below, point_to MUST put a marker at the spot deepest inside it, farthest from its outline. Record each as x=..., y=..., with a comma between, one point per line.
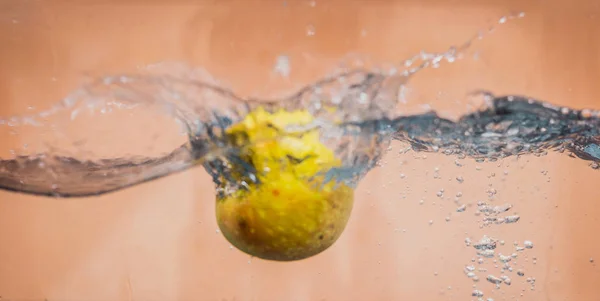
x=477, y=293
x=282, y=66
x=528, y=244
x=460, y=179
x=310, y=30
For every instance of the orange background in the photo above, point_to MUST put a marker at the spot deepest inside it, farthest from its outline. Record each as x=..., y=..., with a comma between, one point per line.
x=158, y=241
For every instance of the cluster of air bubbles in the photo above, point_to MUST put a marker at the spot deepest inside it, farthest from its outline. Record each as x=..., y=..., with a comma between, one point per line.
x=495, y=214
x=492, y=214
x=504, y=265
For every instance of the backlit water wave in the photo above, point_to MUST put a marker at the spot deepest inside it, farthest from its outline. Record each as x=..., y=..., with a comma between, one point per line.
x=355, y=114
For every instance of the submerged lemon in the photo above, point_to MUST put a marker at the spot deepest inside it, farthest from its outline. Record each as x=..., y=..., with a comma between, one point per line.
x=291, y=213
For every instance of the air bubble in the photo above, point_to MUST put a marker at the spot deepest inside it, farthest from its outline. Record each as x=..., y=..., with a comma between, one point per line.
x=504, y=258
x=512, y=219
x=493, y=279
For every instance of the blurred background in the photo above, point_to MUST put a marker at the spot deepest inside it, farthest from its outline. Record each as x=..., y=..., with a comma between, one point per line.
x=159, y=240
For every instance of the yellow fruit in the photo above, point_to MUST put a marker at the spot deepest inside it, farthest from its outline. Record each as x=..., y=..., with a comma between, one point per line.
x=291, y=213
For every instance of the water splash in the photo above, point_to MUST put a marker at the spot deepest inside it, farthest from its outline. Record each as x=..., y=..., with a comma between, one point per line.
x=354, y=111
